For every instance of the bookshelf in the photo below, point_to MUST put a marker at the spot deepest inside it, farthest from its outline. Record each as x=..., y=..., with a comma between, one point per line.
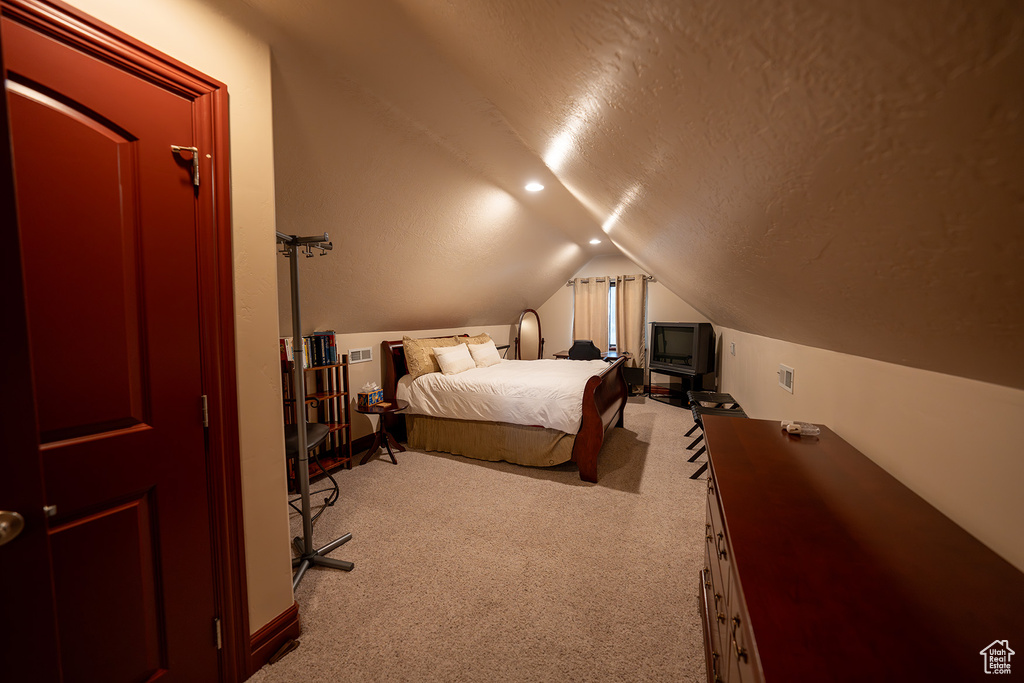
x=327, y=402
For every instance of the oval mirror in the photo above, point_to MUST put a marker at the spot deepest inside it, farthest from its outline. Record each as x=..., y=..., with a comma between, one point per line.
x=529, y=342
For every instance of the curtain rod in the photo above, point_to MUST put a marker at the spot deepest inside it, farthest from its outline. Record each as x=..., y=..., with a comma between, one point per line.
x=649, y=278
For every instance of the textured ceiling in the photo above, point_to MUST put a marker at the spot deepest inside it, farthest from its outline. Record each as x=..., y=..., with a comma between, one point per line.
x=841, y=175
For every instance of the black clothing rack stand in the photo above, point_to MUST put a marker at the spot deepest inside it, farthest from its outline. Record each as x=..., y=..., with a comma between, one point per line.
x=308, y=557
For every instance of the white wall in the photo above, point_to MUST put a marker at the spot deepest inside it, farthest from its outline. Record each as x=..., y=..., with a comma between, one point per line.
x=956, y=442
x=204, y=39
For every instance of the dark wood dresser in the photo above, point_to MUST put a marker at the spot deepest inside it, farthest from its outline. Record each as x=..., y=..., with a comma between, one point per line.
x=819, y=566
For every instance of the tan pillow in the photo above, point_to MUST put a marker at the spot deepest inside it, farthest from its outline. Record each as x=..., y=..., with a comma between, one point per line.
x=484, y=355
x=418, y=355
x=454, y=359
x=481, y=338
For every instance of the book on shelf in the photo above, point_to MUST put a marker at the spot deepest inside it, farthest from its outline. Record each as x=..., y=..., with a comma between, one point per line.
x=287, y=353
x=332, y=347
x=318, y=349
x=326, y=347
x=315, y=352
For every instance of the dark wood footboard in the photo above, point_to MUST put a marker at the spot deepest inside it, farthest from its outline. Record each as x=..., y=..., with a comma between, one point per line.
x=604, y=402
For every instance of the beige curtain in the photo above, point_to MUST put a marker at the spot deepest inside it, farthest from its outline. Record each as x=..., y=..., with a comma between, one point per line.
x=590, y=310
x=631, y=318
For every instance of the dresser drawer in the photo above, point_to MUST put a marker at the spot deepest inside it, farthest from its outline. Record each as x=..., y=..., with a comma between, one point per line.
x=717, y=606
x=737, y=647
x=714, y=654
x=733, y=649
x=716, y=519
x=719, y=570
x=717, y=544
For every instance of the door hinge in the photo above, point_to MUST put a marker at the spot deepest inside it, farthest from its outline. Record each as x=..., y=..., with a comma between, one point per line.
x=181, y=150
x=217, y=632
x=206, y=411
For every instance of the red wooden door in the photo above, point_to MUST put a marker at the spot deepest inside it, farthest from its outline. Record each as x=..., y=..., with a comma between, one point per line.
x=25, y=559
x=106, y=217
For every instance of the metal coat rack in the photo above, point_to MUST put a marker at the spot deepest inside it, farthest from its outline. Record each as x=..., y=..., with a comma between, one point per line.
x=308, y=557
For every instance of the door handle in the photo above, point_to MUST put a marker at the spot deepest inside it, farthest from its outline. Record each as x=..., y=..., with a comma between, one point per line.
x=11, y=524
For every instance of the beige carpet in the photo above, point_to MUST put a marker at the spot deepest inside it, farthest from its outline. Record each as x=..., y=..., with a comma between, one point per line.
x=475, y=571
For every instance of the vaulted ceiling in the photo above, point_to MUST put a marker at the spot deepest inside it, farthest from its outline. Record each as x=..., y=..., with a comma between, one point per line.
x=846, y=176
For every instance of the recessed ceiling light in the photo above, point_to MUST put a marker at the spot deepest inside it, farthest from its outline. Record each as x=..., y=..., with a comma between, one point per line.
x=534, y=187
x=595, y=241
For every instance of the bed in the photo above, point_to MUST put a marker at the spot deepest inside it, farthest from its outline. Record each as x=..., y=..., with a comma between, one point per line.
x=602, y=402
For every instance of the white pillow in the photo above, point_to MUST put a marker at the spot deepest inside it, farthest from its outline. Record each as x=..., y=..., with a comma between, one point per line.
x=454, y=359
x=485, y=354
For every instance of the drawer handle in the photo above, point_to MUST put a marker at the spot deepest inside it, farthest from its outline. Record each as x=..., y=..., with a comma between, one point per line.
x=720, y=615
x=707, y=533
x=721, y=551
x=741, y=652
x=707, y=583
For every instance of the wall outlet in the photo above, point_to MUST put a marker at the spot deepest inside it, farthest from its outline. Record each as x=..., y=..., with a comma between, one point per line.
x=786, y=377
x=360, y=355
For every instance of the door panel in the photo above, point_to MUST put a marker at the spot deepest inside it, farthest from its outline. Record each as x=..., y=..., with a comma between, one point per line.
x=108, y=225
x=113, y=546
x=95, y=169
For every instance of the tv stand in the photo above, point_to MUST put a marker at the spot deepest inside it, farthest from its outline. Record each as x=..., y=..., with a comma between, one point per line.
x=664, y=392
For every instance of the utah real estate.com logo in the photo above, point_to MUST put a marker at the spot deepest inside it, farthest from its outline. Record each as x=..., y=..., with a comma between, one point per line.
x=997, y=657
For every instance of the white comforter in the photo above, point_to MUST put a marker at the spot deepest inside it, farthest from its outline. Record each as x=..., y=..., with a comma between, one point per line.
x=548, y=393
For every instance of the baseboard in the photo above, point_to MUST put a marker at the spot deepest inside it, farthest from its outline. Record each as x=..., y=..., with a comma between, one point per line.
x=269, y=639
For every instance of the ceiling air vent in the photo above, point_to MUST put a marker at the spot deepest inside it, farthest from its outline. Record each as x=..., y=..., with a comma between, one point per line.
x=786, y=377
x=360, y=355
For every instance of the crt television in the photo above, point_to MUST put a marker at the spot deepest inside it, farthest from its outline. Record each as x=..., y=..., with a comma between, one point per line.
x=686, y=348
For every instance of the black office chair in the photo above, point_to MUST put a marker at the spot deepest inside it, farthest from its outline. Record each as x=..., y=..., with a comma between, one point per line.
x=316, y=434
x=584, y=349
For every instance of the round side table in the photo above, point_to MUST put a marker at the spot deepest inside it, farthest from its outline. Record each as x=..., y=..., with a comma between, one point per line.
x=383, y=437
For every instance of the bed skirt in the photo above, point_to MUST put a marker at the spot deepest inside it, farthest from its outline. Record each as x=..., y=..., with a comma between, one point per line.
x=522, y=445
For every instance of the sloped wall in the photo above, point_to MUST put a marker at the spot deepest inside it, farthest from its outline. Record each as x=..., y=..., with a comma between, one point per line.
x=424, y=236
x=839, y=175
